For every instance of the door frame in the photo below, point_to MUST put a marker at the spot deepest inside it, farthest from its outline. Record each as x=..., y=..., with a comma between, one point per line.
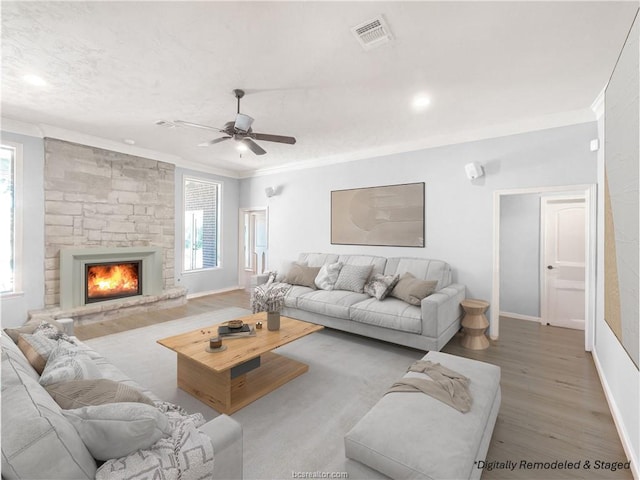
x=241, y=245
x=543, y=278
x=589, y=191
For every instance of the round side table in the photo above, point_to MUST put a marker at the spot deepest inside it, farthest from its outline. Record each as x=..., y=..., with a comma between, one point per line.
x=474, y=324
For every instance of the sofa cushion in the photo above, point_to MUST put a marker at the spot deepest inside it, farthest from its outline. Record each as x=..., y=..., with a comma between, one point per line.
x=411, y=290
x=390, y=313
x=379, y=286
x=421, y=268
x=117, y=430
x=294, y=294
x=377, y=263
x=83, y=393
x=334, y=303
x=67, y=363
x=317, y=259
x=33, y=427
x=353, y=278
x=328, y=276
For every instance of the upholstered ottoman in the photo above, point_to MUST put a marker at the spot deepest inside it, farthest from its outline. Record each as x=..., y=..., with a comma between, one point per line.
x=412, y=435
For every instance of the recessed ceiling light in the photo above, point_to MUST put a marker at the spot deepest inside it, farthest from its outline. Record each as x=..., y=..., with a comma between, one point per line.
x=420, y=102
x=129, y=141
x=34, y=80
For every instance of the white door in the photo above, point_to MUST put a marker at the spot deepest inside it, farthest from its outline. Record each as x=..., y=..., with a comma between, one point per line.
x=563, y=261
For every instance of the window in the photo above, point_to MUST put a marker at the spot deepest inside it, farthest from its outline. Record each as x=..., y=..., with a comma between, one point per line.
x=10, y=224
x=201, y=224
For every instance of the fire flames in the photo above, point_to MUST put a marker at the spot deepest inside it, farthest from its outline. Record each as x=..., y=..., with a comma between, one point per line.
x=112, y=280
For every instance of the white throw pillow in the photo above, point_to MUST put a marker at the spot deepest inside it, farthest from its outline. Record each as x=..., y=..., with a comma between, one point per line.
x=116, y=430
x=353, y=278
x=67, y=362
x=328, y=275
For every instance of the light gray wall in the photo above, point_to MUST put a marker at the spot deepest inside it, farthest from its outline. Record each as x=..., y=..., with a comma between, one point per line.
x=14, y=307
x=226, y=276
x=459, y=213
x=520, y=254
x=619, y=375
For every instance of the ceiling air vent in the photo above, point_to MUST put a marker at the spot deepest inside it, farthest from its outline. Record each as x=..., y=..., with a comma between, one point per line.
x=372, y=33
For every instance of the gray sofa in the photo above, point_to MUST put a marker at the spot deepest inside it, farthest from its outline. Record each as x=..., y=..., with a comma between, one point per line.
x=39, y=442
x=426, y=327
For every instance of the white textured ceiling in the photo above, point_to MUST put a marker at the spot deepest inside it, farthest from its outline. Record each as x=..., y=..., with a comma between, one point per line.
x=114, y=68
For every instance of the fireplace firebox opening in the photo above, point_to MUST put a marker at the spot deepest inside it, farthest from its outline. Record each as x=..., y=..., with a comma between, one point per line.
x=111, y=280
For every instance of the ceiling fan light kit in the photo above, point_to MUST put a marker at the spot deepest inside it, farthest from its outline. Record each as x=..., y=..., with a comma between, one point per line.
x=239, y=129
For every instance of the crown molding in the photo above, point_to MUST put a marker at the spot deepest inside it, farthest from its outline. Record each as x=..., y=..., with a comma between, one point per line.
x=598, y=104
x=545, y=122
x=51, y=131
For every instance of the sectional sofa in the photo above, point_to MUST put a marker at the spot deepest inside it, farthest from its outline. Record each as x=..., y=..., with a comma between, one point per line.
x=39, y=441
x=427, y=326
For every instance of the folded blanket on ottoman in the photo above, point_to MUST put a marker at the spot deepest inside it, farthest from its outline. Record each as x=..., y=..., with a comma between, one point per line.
x=445, y=385
x=186, y=454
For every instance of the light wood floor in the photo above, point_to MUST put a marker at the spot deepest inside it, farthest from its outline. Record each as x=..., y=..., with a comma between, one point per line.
x=553, y=407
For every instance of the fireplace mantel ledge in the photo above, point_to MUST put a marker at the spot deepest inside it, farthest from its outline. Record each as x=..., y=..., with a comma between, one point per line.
x=100, y=309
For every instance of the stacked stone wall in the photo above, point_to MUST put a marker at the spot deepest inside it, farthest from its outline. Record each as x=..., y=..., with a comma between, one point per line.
x=101, y=198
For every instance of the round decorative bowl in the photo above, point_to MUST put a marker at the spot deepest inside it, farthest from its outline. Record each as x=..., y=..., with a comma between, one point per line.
x=233, y=324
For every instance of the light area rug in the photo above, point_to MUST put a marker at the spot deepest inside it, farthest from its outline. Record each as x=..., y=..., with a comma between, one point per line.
x=297, y=428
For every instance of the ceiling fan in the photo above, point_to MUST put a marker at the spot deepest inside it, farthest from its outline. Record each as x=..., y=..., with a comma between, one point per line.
x=240, y=130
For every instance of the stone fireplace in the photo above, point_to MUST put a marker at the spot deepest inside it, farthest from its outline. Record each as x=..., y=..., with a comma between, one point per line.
x=101, y=207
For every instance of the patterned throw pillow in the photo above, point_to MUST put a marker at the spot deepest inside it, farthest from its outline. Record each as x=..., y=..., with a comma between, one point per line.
x=36, y=348
x=353, y=278
x=328, y=276
x=82, y=393
x=53, y=332
x=30, y=327
x=66, y=363
x=379, y=286
x=412, y=290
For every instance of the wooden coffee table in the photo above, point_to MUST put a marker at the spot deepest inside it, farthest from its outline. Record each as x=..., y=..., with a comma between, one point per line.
x=247, y=370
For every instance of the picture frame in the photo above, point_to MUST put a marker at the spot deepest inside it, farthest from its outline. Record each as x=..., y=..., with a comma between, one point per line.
x=389, y=215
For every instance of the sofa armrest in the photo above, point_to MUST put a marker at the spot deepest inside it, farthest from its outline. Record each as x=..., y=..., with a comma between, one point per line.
x=226, y=437
x=441, y=309
x=260, y=278
x=66, y=324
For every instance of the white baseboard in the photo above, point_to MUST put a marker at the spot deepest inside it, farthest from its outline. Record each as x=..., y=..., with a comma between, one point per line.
x=519, y=316
x=212, y=292
x=615, y=413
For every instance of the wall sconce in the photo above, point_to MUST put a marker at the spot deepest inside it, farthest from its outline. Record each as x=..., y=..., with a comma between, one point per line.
x=270, y=191
x=473, y=170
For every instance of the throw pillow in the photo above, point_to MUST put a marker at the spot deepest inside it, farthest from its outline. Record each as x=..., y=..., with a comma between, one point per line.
x=29, y=328
x=412, y=290
x=328, y=275
x=116, y=430
x=52, y=332
x=353, y=278
x=300, y=274
x=67, y=362
x=379, y=286
x=36, y=348
x=83, y=393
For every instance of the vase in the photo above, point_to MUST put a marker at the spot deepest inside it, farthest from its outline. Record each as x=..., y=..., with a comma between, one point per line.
x=273, y=321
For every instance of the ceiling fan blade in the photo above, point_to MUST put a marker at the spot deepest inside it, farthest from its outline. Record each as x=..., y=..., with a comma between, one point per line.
x=273, y=138
x=213, y=142
x=196, y=125
x=243, y=122
x=253, y=146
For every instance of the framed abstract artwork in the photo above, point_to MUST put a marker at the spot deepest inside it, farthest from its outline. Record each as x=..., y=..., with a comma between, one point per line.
x=391, y=215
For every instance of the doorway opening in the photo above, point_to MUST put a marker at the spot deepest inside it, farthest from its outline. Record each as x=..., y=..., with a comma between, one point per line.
x=561, y=278
x=254, y=245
